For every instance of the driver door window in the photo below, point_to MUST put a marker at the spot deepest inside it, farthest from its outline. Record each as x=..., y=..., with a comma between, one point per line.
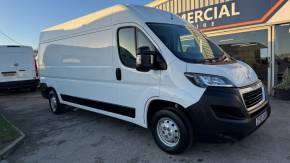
x=143, y=41
x=127, y=47
x=130, y=39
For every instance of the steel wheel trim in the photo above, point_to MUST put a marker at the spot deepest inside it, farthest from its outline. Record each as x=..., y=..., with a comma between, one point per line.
x=168, y=132
x=53, y=103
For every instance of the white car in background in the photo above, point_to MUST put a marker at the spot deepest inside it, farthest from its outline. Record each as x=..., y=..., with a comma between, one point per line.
x=18, y=68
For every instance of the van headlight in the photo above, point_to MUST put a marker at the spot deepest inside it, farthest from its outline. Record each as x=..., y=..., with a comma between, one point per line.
x=205, y=80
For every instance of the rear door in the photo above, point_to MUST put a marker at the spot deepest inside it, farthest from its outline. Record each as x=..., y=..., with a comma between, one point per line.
x=24, y=62
x=134, y=87
x=7, y=66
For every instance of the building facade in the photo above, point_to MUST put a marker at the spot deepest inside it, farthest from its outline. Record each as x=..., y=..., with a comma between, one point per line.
x=254, y=31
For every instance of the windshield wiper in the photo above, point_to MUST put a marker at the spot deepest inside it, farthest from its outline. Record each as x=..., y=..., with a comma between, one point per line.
x=212, y=59
x=198, y=60
x=222, y=58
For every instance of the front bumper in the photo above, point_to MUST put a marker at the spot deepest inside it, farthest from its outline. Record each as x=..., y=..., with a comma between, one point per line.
x=19, y=84
x=222, y=113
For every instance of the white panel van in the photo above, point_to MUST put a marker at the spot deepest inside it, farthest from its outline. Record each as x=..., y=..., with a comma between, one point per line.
x=17, y=68
x=151, y=68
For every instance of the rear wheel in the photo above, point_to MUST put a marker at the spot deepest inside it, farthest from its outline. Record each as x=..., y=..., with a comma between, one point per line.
x=171, y=132
x=55, y=106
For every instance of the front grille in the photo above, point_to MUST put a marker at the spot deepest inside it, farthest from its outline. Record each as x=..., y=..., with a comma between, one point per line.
x=253, y=98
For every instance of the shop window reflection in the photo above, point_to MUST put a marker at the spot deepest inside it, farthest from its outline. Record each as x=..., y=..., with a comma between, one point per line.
x=249, y=47
x=282, y=51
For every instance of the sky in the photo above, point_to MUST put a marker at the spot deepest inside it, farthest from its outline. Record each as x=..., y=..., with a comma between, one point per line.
x=22, y=20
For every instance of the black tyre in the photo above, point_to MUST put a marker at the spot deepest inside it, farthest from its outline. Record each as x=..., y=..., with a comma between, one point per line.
x=55, y=106
x=171, y=131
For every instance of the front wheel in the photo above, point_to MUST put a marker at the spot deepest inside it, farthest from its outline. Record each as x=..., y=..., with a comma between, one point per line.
x=170, y=132
x=55, y=106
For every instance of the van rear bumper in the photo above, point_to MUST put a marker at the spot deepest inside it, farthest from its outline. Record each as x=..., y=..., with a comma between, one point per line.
x=19, y=84
x=222, y=113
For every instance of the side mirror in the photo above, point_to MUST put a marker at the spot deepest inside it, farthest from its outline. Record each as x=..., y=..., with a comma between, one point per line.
x=144, y=59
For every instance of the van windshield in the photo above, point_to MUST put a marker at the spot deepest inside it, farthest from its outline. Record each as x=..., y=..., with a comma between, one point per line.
x=189, y=45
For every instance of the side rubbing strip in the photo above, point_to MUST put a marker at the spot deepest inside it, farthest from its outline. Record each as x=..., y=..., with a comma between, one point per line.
x=113, y=108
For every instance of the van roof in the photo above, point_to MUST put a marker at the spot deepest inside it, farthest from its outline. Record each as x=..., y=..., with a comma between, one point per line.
x=106, y=17
x=6, y=49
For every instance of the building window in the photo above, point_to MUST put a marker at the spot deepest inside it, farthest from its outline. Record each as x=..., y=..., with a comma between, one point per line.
x=206, y=3
x=175, y=6
x=168, y=6
x=282, y=51
x=249, y=47
x=164, y=7
x=192, y=5
x=196, y=4
x=183, y=5
x=171, y=6
x=179, y=9
x=201, y=4
x=188, y=5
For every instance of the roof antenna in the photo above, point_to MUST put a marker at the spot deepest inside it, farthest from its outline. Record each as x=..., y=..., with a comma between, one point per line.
x=171, y=16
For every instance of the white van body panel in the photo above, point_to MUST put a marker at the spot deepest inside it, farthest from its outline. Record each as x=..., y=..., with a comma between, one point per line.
x=19, y=60
x=78, y=64
x=176, y=88
x=79, y=58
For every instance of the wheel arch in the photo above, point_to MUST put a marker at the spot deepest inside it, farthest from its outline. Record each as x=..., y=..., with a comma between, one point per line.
x=156, y=105
x=45, y=89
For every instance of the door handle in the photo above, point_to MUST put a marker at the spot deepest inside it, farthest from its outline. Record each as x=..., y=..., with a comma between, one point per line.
x=118, y=74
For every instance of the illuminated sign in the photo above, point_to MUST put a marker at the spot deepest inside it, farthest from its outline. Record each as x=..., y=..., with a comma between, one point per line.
x=232, y=13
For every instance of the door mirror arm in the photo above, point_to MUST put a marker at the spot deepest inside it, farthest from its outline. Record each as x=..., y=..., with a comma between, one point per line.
x=159, y=62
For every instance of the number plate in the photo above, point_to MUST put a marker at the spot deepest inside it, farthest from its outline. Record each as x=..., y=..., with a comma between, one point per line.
x=8, y=74
x=261, y=118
